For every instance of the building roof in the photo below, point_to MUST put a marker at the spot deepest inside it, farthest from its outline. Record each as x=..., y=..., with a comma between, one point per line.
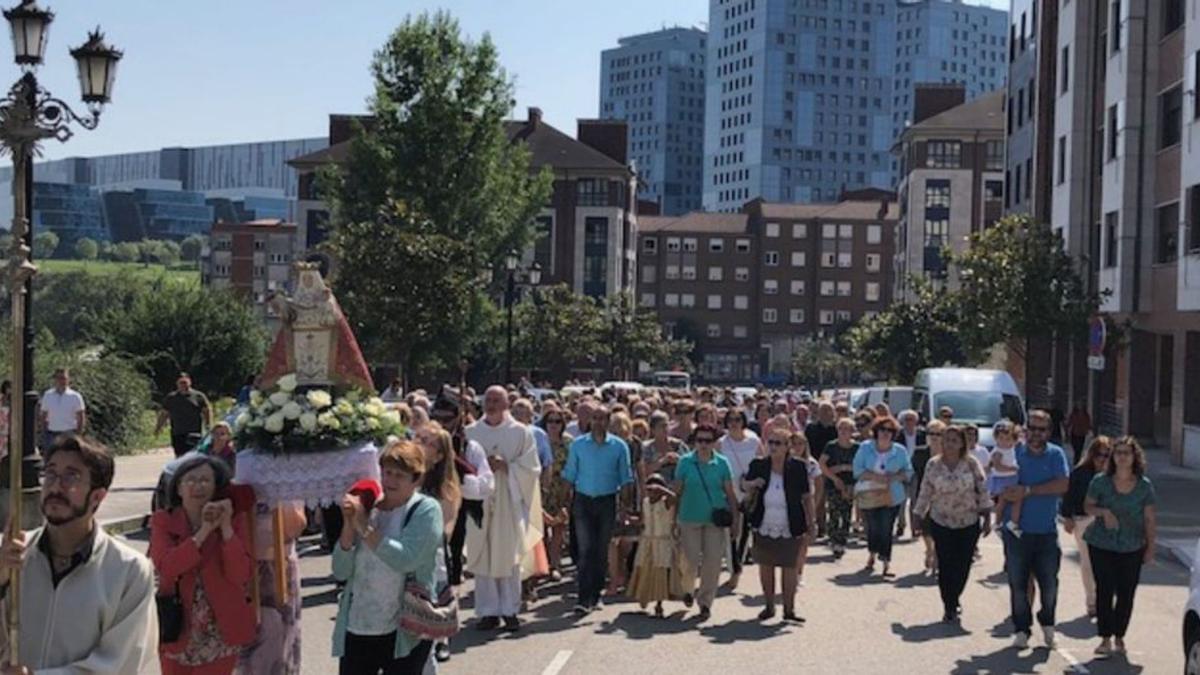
x=264, y=223
x=547, y=146
x=847, y=210
x=696, y=221
x=984, y=113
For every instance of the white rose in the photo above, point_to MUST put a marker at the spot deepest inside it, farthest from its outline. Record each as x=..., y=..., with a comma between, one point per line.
x=274, y=423
x=292, y=410
x=373, y=424
x=391, y=417
x=375, y=400
x=287, y=383
x=308, y=422
x=374, y=409
x=256, y=398
x=279, y=399
x=318, y=398
x=242, y=421
x=328, y=420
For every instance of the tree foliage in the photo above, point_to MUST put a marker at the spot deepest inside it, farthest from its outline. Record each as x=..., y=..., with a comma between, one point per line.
x=45, y=244
x=86, y=249
x=211, y=334
x=907, y=337
x=637, y=337
x=126, y=252
x=1017, y=281
x=817, y=361
x=190, y=247
x=159, y=251
x=556, y=329
x=72, y=305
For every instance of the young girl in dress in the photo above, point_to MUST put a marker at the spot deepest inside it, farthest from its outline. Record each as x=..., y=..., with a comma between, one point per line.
x=801, y=451
x=1003, y=475
x=655, y=574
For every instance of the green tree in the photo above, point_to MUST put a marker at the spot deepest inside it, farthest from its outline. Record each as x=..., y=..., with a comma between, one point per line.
x=86, y=249
x=211, y=334
x=1018, y=282
x=435, y=171
x=190, y=247
x=45, y=244
x=817, y=361
x=159, y=252
x=907, y=337
x=71, y=305
x=126, y=252
x=637, y=337
x=557, y=329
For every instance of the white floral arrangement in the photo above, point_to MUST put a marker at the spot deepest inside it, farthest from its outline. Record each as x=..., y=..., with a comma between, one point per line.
x=288, y=420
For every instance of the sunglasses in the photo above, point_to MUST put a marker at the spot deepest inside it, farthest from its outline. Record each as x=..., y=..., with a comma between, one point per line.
x=774, y=443
x=1041, y=429
x=1122, y=453
x=554, y=421
x=935, y=434
x=706, y=440
x=1103, y=455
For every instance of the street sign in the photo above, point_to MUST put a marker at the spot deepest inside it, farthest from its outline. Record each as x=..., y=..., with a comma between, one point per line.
x=1097, y=336
x=1095, y=363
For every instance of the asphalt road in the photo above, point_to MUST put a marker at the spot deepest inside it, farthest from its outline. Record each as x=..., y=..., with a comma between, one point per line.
x=856, y=623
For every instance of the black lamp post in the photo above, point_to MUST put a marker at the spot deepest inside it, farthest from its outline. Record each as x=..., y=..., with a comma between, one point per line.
x=28, y=116
x=512, y=263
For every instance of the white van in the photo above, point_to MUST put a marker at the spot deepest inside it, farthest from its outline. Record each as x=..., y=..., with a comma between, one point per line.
x=672, y=379
x=979, y=397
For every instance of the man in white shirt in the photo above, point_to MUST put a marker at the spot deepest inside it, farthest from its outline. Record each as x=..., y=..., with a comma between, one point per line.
x=62, y=410
x=87, y=600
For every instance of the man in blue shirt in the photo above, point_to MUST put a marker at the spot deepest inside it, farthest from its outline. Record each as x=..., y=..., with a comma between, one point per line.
x=522, y=411
x=1043, y=478
x=597, y=468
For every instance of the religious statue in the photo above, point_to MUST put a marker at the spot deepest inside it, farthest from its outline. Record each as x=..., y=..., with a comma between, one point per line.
x=315, y=341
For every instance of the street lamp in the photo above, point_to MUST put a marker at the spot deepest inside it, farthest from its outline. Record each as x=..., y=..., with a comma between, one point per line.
x=533, y=274
x=28, y=116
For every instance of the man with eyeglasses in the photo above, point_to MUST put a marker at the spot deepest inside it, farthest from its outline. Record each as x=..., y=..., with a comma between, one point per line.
x=87, y=599
x=1042, y=481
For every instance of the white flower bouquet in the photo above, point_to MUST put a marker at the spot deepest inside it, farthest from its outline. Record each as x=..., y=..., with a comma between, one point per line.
x=285, y=420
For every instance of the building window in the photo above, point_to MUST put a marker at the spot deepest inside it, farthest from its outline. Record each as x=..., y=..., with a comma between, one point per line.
x=689, y=272
x=826, y=317
x=844, y=289
x=843, y=316
x=716, y=273
x=1173, y=15
x=772, y=229
x=828, y=259
x=741, y=273
x=872, y=292
x=741, y=302
x=1167, y=233
x=689, y=245
x=1170, y=106
x=742, y=245
x=845, y=231
x=714, y=302
x=771, y=258
x=1196, y=85
x=1062, y=159
x=672, y=272
x=799, y=231
x=937, y=194
x=770, y=315
x=739, y=331
x=994, y=158
x=1065, y=74
x=673, y=244
x=770, y=286
x=714, y=330
x=1113, y=132
x=671, y=300
x=874, y=234
x=1114, y=21
x=798, y=258
x=829, y=231
x=796, y=316
x=649, y=273
x=797, y=286
x=687, y=300
x=1110, y=239
x=828, y=288
x=873, y=260
x=259, y=244
x=648, y=299
x=1193, y=218
x=993, y=190
x=716, y=245
x=649, y=245
x=592, y=192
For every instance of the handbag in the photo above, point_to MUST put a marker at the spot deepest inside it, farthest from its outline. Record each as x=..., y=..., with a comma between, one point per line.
x=869, y=495
x=170, y=616
x=421, y=614
x=721, y=517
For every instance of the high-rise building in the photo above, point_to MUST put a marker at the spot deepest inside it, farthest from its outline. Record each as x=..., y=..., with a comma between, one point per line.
x=1103, y=156
x=806, y=99
x=253, y=259
x=655, y=82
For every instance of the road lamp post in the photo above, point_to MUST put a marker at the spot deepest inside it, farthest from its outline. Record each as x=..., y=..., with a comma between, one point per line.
x=28, y=116
x=512, y=264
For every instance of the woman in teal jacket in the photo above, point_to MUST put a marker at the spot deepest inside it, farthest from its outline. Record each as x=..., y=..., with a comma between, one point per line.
x=380, y=549
x=880, y=464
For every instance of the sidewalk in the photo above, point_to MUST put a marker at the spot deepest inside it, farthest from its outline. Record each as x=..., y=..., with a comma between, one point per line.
x=128, y=500
x=1178, y=517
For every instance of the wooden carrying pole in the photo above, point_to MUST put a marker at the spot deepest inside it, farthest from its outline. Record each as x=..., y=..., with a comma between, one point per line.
x=281, y=568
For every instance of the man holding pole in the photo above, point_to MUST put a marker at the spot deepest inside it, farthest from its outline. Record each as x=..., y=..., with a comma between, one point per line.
x=88, y=599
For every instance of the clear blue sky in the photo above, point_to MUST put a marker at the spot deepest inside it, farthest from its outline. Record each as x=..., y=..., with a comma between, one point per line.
x=226, y=71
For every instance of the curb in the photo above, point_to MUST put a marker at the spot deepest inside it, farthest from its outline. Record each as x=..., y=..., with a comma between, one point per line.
x=1179, y=552
x=121, y=526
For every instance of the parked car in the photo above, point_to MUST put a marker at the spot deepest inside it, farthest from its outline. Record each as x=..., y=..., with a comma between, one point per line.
x=672, y=379
x=897, y=398
x=977, y=396
x=621, y=388
x=1191, y=621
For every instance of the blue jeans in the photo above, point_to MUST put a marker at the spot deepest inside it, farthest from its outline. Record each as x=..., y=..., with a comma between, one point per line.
x=879, y=530
x=1037, y=555
x=594, y=518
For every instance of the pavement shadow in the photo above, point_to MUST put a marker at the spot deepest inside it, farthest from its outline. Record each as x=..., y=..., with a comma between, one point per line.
x=329, y=597
x=643, y=626
x=1080, y=628
x=309, y=582
x=931, y=631
x=916, y=580
x=862, y=577
x=1117, y=663
x=745, y=630
x=470, y=636
x=1006, y=660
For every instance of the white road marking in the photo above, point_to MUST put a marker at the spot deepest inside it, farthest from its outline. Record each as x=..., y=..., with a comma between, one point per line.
x=1076, y=666
x=560, y=661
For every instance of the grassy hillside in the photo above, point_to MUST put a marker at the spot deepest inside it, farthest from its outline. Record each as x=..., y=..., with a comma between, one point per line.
x=182, y=273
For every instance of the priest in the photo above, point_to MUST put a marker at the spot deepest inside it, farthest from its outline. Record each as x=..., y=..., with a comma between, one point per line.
x=512, y=515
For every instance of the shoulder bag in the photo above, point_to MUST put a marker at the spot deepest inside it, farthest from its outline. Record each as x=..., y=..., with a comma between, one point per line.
x=426, y=616
x=721, y=517
x=170, y=616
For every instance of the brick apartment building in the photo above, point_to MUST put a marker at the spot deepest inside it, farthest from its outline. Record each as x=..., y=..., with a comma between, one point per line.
x=1103, y=117
x=951, y=179
x=253, y=259
x=748, y=286
x=586, y=231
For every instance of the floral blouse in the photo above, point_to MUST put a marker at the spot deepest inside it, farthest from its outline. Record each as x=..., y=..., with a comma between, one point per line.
x=953, y=497
x=554, y=488
x=204, y=642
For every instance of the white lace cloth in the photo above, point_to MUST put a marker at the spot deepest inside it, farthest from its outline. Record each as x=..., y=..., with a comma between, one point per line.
x=316, y=478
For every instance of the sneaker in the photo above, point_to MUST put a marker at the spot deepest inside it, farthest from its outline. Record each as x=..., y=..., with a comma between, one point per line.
x=1104, y=650
x=1119, y=647
x=512, y=623
x=688, y=600
x=704, y=614
x=792, y=617
x=1048, y=636
x=1021, y=640
x=441, y=652
x=1013, y=527
x=768, y=613
x=488, y=623
x=581, y=610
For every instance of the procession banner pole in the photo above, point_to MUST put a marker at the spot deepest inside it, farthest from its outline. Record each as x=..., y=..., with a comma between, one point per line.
x=281, y=570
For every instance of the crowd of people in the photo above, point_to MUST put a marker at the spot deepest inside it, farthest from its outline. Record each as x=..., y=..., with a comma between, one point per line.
x=650, y=495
